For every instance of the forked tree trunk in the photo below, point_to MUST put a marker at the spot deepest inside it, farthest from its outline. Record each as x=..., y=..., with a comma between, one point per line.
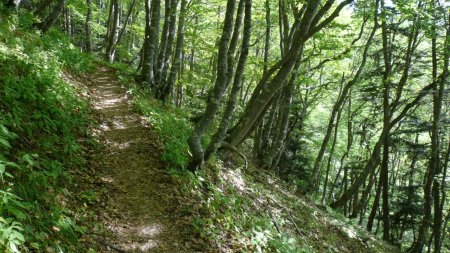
x=218, y=90
x=237, y=84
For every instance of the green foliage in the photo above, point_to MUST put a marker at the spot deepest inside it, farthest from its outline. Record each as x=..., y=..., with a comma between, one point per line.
x=172, y=125
x=41, y=123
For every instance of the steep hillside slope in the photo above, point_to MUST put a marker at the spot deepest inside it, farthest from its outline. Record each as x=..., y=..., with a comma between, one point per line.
x=44, y=132
x=239, y=208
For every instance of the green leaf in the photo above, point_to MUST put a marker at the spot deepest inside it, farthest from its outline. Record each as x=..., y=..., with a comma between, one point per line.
x=2, y=168
x=5, y=143
x=13, y=246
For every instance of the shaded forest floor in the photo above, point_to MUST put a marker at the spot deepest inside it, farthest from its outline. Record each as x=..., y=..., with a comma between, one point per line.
x=137, y=207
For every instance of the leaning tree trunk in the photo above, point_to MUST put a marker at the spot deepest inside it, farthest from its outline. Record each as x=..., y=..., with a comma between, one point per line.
x=51, y=19
x=374, y=159
x=337, y=107
x=330, y=155
x=112, y=49
x=267, y=89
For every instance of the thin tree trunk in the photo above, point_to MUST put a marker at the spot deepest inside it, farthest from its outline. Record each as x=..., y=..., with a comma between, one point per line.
x=170, y=46
x=176, y=62
x=112, y=39
x=51, y=19
x=330, y=156
x=433, y=165
x=374, y=160
x=384, y=169
x=267, y=42
x=87, y=27
x=374, y=210
x=337, y=106
x=162, y=48
x=112, y=50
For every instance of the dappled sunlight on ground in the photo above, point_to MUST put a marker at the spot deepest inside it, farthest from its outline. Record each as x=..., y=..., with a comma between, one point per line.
x=138, y=208
x=236, y=179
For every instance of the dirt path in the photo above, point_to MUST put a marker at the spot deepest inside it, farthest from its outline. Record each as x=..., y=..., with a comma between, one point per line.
x=139, y=209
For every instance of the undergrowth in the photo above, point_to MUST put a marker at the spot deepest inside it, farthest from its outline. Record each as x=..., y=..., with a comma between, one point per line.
x=219, y=213
x=41, y=124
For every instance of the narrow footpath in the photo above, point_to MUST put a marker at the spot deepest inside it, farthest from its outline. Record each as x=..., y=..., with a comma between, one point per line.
x=138, y=211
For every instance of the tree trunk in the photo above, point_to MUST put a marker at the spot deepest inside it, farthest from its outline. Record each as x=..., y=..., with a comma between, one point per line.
x=176, y=58
x=112, y=49
x=215, y=98
x=87, y=27
x=267, y=89
x=151, y=42
x=169, y=48
x=51, y=19
x=384, y=169
x=433, y=165
x=162, y=48
x=337, y=106
x=374, y=210
x=112, y=39
x=330, y=156
x=267, y=42
x=237, y=84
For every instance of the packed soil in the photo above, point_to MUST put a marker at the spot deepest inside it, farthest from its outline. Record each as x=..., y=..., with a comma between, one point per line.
x=138, y=208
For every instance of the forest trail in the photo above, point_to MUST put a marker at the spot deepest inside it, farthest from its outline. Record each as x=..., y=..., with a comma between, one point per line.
x=138, y=210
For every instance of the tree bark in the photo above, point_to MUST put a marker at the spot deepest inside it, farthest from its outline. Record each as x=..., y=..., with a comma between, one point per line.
x=215, y=98
x=433, y=165
x=237, y=84
x=112, y=50
x=51, y=19
x=258, y=104
x=169, y=49
x=176, y=62
x=330, y=156
x=151, y=42
x=87, y=27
